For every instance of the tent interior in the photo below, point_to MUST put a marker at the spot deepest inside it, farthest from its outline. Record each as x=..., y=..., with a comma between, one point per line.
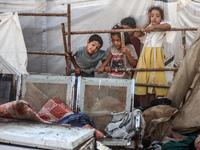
x=43, y=33
x=21, y=34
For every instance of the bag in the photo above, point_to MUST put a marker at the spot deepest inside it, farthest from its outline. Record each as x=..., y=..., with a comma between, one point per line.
x=124, y=126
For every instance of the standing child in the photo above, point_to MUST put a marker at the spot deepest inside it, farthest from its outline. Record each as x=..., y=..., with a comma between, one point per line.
x=129, y=23
x=152, y=56
x=88, y=57
x=118, y=51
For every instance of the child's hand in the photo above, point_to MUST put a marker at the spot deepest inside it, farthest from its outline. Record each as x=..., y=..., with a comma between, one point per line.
x=100, y=70
x=149, y=29
x=108, y=69
x=124, y=49
x=78, y=70
x=138, y=26
x=149, y=19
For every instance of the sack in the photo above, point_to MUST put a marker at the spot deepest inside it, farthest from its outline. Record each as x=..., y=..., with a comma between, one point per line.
x=123, y=124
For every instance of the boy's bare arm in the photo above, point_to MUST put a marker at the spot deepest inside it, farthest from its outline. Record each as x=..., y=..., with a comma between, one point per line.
x=104, y=63
x=108, y=59
x=78, y=70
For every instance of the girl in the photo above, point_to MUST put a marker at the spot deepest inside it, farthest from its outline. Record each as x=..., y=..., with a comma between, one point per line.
x=152, y=56
x=118, y=50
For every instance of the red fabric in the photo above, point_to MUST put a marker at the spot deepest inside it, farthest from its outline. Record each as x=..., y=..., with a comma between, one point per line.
x=137, y=45
x=19, y=110
x=99, y=134
x=54, y=110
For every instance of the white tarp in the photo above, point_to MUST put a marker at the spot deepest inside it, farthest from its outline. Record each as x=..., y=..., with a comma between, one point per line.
x=188, y=16
x=12, y=47
x=44, y=33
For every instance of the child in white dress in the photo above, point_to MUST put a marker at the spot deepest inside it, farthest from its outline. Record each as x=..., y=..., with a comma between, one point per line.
x=152, y=56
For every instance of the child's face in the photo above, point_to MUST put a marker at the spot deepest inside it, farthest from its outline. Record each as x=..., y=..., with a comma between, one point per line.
x=116, y=40
x=92, y=47
x=128, y=27
x=155, y=17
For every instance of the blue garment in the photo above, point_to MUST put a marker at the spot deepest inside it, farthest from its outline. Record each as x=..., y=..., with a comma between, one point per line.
x=77, y=120
x=86, y=62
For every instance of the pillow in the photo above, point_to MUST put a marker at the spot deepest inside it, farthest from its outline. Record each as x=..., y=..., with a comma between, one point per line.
x=54, y=110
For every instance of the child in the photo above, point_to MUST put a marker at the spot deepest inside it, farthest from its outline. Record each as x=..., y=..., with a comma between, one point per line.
x=88, y=57
x=118, y=51
x=129, y=23
x=152, y=56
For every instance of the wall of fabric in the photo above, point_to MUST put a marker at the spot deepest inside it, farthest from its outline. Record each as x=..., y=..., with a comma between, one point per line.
x=45, y=34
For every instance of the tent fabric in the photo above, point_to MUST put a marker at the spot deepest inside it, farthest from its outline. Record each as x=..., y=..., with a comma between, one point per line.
x=187, y=17
x=187, y=119
x=186, y=73
x=12, y=49
x=44, y=34
x=186, y=84
x=158, y=121
x=5, y=67
x=182, y=4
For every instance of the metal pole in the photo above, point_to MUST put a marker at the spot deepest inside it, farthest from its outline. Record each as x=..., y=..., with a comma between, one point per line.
x=69, y=38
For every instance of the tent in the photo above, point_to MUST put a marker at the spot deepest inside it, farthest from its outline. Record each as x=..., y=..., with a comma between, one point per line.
x=43, y=33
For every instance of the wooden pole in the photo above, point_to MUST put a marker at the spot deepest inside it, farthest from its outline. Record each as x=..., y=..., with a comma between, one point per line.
x=69, y=38
x=44, y=14
x=46, y=53
x=184, y=43
x=128, y=30
x=65, y=47
x=123, y=44
x=137, y=69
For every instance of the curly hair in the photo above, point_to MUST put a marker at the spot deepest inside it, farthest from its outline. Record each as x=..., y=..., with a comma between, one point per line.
x=126, y=36
x=159, y=8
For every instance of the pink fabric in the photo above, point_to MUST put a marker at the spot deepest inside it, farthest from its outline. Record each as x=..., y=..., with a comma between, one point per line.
x=99, y=134
x=54, y=110
x=19, y=110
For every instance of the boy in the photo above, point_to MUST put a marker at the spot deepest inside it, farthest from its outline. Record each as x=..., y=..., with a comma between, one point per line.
x=88, y=57
x=129, y=23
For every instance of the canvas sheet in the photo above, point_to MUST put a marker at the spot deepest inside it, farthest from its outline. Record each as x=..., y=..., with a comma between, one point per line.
x=186, y=73
x=185, y=87
x=12, y=50
x=188, y=15
x=44, y=33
